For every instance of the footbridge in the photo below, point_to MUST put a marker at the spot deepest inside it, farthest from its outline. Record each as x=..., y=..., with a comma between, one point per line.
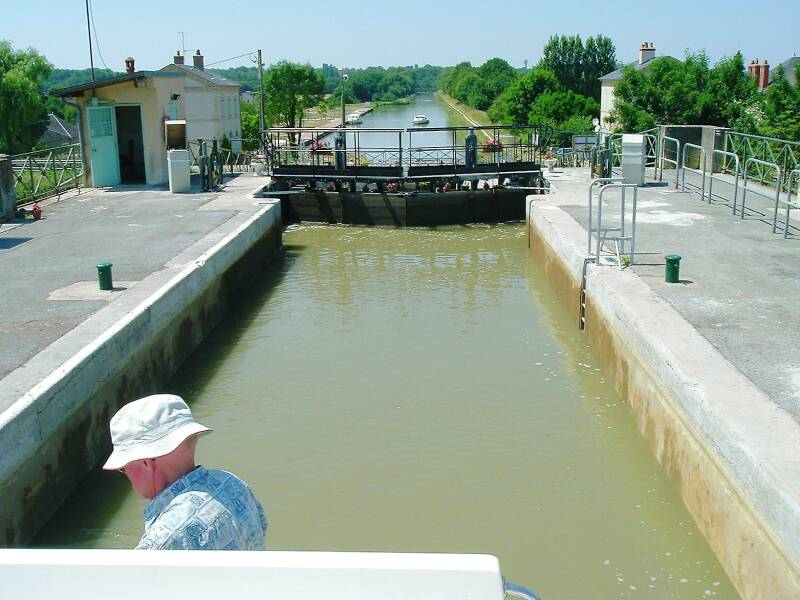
x=425, y=156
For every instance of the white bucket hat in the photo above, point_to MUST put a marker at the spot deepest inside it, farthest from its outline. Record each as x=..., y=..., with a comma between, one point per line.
x=149, y=428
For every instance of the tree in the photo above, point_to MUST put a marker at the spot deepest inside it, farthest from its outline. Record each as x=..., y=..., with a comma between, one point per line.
x=250, y=126
x=781, y=117
x=23, y=114
x=472, y=90
x=555, y=108
x=514, y=105
x=686, y=93
x=497, y=75
x=289, y=89
x=578, y=65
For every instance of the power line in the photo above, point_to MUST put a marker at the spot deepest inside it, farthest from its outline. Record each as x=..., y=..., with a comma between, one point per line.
x=230, y=59
x=97, y=41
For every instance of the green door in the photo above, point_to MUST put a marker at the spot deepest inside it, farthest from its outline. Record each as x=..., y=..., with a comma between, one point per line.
x=103, y=140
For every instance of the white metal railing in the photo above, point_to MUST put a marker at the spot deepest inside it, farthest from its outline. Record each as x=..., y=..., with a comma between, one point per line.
x=663, y=159
x=592, y=186
x=753, y=190
x=712, y=178
x=793, y=176
x=602, y=233
x=701, y=170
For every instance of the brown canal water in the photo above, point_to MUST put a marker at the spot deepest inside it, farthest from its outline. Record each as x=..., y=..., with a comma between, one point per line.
x=425, y=390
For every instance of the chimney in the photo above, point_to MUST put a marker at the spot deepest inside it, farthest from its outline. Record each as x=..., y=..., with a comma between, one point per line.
x=129, y=66
x=198, y=61
x=178, y=59
x=752, y=70
x=763, y=80
x=647, y=52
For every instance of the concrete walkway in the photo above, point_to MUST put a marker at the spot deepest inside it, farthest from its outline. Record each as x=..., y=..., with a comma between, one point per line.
x=740, y=281
x=49, y=282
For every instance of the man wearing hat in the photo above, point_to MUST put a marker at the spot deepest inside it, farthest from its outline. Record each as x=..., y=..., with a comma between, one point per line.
x=191, y=507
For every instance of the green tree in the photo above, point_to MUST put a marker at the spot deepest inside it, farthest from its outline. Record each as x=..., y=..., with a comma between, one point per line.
x=23, y=113
x=472, y=90
x=578, y=65
x=289, y=89
x=781, y=118
x=555, y=108
x=686, y=93
x=514, y=105
x=250, y=126
x=497, y=75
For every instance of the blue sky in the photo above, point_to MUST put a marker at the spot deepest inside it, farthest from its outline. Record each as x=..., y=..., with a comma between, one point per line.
x=357, y=34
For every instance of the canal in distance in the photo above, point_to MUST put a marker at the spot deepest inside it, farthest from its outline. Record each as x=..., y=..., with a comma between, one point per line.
x=423, y=390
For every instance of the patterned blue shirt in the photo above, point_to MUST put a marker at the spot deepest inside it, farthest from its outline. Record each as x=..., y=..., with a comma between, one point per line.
x=204, y=510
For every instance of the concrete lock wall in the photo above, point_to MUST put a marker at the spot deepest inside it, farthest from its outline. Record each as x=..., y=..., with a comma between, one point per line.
x=58, y=431
x=709, y=427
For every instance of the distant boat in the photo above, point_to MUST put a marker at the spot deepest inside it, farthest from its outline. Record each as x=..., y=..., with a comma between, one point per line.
x=421, y=120
x=353, y=119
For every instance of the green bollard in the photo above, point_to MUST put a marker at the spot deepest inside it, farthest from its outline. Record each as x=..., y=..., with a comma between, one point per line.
x=104, y=276
x=673, y=271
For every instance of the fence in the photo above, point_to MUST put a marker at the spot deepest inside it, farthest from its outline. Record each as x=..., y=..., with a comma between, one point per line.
x=47, y=173
x=770, y=151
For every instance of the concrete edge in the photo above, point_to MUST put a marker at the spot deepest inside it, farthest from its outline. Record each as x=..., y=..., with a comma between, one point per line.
x=50, y=401
x=754, y=445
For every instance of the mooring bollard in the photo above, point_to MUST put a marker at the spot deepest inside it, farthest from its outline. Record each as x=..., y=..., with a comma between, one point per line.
x=104, y=276
x=673, y=270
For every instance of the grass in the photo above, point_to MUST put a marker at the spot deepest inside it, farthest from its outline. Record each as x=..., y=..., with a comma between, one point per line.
x=478, y=117
x=46, y=183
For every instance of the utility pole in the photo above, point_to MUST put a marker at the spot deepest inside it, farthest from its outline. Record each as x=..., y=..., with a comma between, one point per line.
x=261, y=101
x=89, y=30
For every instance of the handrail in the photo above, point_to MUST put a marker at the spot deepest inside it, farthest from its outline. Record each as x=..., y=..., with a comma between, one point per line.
x=623, y=187
x=698, y=171
x=745, y=189
x=595, y=183
x=43, y=173
x=712, y=179
x=675, y=162
x=789, y=204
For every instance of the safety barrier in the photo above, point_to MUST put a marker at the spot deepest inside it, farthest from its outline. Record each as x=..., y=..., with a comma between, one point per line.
x=701, y=170
x=712, y=179
x=592, y=186
x=793, y=175
x=758, y=192
x=663, y=159
x=619, y=240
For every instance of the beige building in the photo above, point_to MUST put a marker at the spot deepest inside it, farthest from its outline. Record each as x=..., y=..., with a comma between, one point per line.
x=212, y=102
x=122, y=118
x=608, y=82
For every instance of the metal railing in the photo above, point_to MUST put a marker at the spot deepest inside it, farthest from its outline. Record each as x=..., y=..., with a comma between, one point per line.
x=762, y=165
x=784, y=153
x=46, y=173
x=793, y=176
x=595, y=183
x=712, y=178
x=663, y=159
x=619, y=240
x=241, y=157
x=307, y=147
x=700, y=170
